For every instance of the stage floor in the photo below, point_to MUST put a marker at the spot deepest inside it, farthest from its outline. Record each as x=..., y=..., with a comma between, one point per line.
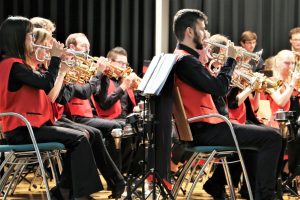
x=23, y=193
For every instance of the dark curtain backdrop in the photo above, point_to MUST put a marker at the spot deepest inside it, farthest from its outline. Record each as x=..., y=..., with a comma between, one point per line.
x=107, y=23
x=131, y=23
x=270, y=19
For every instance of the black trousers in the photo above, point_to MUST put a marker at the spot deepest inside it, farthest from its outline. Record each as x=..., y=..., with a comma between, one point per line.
x=266, y=140
x=105, y=126
x=103, y=160
x=79, y=170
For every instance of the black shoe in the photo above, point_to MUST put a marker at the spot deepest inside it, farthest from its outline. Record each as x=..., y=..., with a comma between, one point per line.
x=55, y=194
x=117, y=190
x=215, y=190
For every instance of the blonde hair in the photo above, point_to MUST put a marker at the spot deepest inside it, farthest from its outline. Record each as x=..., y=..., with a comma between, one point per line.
x=41, y=35
x=39, y=22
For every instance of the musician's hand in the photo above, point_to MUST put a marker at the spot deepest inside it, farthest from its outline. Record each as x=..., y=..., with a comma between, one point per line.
x=126, y=82
x=102, y=64
x=57, y=48
x=64, y=69
x=231, y=50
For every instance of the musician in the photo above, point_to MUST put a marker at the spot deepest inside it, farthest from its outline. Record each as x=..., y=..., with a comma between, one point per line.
x=282, y=98
x=116, y=98
x=283, y=68
x=198, y=88
x=248, y=41
x=20, y=84
x=40, y=22
x=294, y=37
x=103, y=160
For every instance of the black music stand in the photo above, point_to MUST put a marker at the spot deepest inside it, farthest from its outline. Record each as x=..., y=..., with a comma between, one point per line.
x=154, y=87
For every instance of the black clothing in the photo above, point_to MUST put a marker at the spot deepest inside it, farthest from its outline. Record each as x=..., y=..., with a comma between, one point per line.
x=232, y=103
x=22, y=75
x=106, y=100
x=79, y=168
x=79, y=171
x=103, y=160
x=266, y=140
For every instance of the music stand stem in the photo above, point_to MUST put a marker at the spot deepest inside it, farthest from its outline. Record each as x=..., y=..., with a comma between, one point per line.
x=149, y=142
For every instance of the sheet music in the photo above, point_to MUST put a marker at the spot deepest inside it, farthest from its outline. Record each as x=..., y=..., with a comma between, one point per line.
x=160, y=69
x=149, y=73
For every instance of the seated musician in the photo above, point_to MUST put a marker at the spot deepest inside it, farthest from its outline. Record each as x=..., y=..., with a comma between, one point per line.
x=103, y=160
x=28, y=90
x=116, y=100
x=199, y=88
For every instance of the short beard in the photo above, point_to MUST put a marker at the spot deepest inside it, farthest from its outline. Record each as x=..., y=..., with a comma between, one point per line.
x=198, y=44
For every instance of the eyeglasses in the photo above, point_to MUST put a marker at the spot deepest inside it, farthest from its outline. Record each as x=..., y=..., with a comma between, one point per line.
x=32, y=34
x=296, y=40
x=121, y=63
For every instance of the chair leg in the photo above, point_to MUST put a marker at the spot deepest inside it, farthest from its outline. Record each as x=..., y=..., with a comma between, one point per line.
x=209, y=159
x=186, y=168
x=228, y=177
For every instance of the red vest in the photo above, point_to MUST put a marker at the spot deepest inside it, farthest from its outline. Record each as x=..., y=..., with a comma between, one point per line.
x=30, y=102
x=80, y=107
x=115, y=110
x=196, y=102
x=58, y=110
x=238, y=115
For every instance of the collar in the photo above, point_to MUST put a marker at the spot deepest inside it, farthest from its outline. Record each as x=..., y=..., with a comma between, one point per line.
x=188, y=49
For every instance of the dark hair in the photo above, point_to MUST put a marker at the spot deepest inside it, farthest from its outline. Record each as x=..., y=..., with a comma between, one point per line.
x=186, y=18
x=116, y=51
x=13, y=36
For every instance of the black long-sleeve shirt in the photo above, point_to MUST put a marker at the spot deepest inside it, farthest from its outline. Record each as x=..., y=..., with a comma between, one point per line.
x=191, y=71
x=85, y=91
x=21, y=74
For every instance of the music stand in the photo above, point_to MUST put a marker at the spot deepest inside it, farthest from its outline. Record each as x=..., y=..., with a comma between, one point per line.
x=151, y=86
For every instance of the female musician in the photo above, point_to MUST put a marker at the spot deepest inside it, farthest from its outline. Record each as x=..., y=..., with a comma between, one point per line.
x=20, y=84
x=103, y=160
x=283, y=67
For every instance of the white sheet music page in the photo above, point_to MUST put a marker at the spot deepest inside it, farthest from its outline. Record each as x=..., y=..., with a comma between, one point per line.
x=160, y=74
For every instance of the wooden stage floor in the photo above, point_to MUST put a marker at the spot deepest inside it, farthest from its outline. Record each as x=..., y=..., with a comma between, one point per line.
x=22, y=193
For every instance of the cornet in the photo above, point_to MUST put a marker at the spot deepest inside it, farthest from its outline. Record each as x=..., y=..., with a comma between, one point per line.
x=241, y=52
x=38, y=48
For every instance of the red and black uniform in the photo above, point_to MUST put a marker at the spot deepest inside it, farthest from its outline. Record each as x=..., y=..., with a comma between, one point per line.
x=243, y=113
x=111, y=101
x=192, y=73
x=28, y=89
x=38, y=109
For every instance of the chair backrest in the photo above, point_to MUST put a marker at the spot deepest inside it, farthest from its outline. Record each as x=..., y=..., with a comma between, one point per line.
x=182, y=125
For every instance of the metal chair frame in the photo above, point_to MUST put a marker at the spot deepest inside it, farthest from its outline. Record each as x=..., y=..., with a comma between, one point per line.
x=209, y=153
x=19, y=156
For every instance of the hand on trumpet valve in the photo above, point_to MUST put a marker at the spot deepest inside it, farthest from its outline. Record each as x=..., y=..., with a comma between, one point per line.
x=64, y=69
x=57, y=48
x=102, y=64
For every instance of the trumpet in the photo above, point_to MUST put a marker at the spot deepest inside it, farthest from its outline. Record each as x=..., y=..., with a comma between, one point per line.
x=38, y=48
x=241, y=52
x=243, y=78
x=47, y=57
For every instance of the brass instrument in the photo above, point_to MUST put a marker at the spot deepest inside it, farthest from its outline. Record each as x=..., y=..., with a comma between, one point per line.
x=244, y=77
x=38, y=48
x=220, y=57
x=297, y=67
